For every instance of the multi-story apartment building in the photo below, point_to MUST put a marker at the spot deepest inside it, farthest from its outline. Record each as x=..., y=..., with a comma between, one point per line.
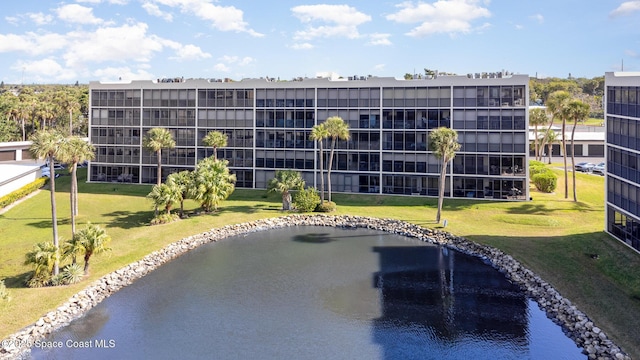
x=622, y=116
x=268, y=124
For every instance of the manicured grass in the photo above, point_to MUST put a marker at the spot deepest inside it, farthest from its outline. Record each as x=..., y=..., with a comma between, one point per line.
x=553, y=236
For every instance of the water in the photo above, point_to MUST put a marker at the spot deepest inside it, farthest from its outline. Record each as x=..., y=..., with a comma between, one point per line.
x=316, y=293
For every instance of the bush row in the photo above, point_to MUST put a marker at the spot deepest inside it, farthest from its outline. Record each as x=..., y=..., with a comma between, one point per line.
x=22, y=192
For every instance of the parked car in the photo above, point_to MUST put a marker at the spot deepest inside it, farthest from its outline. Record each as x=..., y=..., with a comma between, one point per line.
x=599, y=169
x=584, y=166
x=46, y=172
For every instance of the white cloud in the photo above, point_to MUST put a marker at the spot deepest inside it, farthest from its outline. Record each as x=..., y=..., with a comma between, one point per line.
x=228, y=59
x=221, y=67
x=302, y=46
x=75, y=13
x=379, y=39
x=379, y=67
x=537, y=17
x=190, y=52
x=118, y=44
x=32, y=43
x=123, y=73
x=626, y=8
x=115, y=2
x=13, y=20
x=223, y=18
x=154, y=10
x=442, y=16
x=40, y=18
x=339, y=20
x=44, y=70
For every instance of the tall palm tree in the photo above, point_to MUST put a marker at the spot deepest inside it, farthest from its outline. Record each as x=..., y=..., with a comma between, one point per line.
x=156, y=140
x=444, y=144
x=578, y=111
x=549, y=137
x=46, y=112
x=46, y=145
x=537, y=117
x=338, y=130
x=556, y=103
x=213, y=183
x=22, y=112
x=183, y=180
x=94, y=240
x=73, y=151
x=319, y=133
x=283, y=183
x=215, y=139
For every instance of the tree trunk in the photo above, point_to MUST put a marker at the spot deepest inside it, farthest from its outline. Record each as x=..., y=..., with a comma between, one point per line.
x=329, y=165
x=573, y=160
x=443, y=174
x=564, y=159
x=321, y=174
x=536, y=147
x=87, y=256
x=24, y=135
x=550, y=149
x=73, y=197
x=159, y=170
x=286, y=200
x=54, y=218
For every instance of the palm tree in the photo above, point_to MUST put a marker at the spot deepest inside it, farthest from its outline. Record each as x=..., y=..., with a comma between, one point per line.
x=337, y=129
x=216, y=140
x=578, y=111
x=213, y=183
x=46, y=145
x=319, y=133
x=537, y=117
x=165, y=195
x=46, y=112
x=556, y=103
x=156, y=140
x=283, y=183
x=22, y=112
x=444, y=144
x=94, y=240
x=72, y=247
x=549, y=137
x=44, y=257
x=183, y=180
x=73, y=151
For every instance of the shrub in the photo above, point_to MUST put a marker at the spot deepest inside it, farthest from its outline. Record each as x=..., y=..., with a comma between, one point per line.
x=327, y=206
x=57, y=280
x=545, y=182
x=22, y=192
x=4, y=292
x=164, y=219
x=534, y=170
x=306, y=200
x=41, y=280
x=72, y=274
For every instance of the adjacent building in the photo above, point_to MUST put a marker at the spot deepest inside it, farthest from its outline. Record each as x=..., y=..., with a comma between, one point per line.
x=622, y=117
x=268, y=122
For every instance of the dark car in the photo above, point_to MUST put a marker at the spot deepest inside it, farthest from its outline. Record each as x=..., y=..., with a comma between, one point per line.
x=599, y=169
x=584, y=166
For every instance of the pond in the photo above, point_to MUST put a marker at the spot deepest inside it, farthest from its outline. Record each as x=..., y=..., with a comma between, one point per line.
x=316, y=293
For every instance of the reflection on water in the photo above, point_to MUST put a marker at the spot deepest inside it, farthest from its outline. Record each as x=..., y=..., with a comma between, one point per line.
x=318, y=293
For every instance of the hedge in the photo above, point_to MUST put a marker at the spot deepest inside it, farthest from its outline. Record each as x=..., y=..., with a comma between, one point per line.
x=22, y=192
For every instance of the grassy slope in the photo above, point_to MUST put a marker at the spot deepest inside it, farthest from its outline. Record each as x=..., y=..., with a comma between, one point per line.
x=551, y=235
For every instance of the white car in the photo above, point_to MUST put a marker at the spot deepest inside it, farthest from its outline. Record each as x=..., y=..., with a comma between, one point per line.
x=599, y=169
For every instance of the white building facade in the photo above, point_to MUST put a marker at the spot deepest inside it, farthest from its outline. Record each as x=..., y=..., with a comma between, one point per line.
x=268, y=125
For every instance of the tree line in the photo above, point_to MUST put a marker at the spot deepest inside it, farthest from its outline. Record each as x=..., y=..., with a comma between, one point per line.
x=26, y=109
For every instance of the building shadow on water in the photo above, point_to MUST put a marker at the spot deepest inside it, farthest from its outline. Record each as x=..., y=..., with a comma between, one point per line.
x=435, y=301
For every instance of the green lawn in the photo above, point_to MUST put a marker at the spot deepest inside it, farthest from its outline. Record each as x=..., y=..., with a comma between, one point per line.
x=551, y=235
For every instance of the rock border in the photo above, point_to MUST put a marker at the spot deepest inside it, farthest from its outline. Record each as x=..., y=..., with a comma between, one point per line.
x=575, y=324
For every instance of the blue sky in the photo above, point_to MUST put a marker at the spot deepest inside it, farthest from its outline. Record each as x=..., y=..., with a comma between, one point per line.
x=107, y=40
